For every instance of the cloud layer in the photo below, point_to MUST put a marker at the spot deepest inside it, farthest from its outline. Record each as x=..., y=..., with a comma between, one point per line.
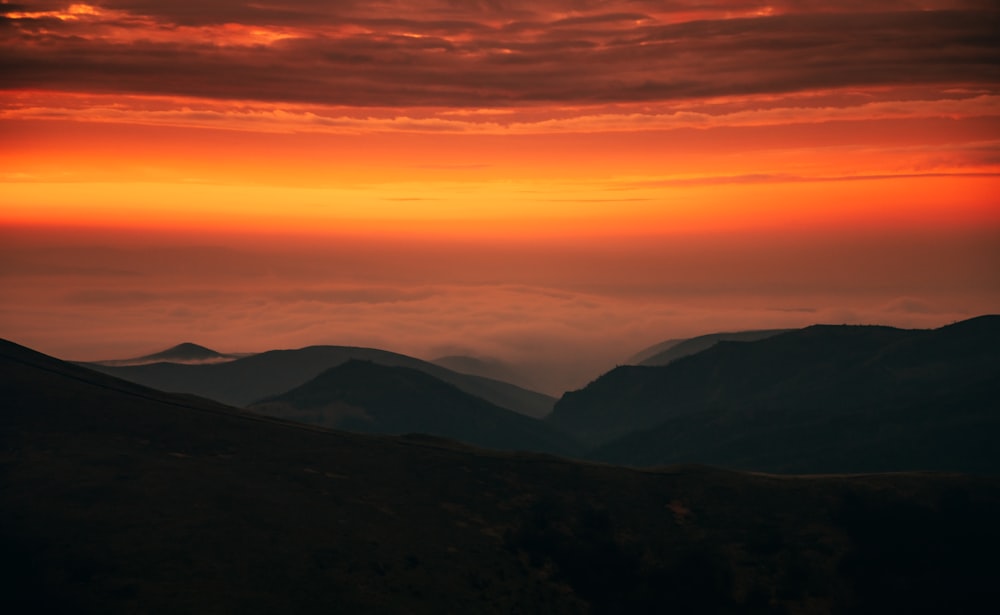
x=555, y=183
x=563, y=313
x=492, y=54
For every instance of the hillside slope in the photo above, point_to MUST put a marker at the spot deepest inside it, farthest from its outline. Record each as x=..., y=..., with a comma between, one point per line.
x=671, y=350
x=120, y=499
x=367, y=397
x=250, y=379
x=824, y=398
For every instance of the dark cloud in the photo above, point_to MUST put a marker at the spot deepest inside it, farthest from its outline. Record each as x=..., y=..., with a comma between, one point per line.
x=484, y=54
x=201, y=12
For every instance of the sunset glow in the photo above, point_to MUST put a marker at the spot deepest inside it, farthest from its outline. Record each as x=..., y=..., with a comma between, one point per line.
x=530, y=179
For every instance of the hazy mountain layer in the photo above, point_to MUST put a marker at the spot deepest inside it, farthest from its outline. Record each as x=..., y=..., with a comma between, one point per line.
x=650, y=351
x=487, y=368
x=120, y=499
x=367, y=397
x=671, y=350
x=250, y=379
x=824, y=398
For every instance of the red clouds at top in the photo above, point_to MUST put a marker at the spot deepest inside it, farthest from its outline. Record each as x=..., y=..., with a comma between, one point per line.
x=492, y=54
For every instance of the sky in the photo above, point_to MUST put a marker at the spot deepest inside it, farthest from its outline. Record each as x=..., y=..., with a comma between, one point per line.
x=555, y=184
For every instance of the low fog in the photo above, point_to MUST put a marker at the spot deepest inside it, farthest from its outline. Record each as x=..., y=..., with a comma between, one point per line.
x=557, y=315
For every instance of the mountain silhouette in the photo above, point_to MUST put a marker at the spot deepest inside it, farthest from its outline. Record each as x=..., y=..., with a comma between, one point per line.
x=249, y=379
x=367, y=397
x=186, y=352
x=119, y=499
x=820, y=399
x=671, y=350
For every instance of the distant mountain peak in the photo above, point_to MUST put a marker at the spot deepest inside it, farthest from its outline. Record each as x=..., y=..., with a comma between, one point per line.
x=188, y=350
x=185, y=352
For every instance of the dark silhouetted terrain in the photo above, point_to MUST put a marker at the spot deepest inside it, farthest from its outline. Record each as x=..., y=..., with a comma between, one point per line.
x=120, y=499
x=820, y=399
x=250, y=379
x=186, y=352
x=367, y=397
x=671, y=350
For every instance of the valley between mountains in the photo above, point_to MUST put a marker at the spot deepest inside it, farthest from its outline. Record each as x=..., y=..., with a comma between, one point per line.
x=830, y=469
x=826, y=398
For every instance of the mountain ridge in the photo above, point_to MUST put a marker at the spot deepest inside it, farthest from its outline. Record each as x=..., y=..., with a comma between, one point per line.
x=360, y=395
x=121, y=499
x=671, y=350
x=817, y=388
x=249, y=379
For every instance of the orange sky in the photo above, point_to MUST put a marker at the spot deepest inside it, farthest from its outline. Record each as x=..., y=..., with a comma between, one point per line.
x=558, y=181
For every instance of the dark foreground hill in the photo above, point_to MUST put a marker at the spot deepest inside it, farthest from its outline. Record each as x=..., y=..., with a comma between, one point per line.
x=367, y=397
x=820, y=399
x=120, y=499
x=250, y=379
